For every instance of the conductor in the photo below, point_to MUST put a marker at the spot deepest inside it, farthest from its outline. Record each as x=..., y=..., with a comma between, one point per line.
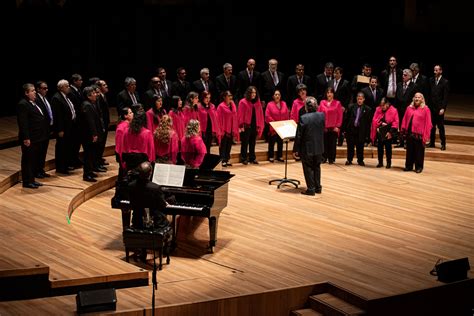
x=146, y=194
x=309, y=145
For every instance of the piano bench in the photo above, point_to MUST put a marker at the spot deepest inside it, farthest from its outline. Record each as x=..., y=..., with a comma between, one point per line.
x=157, y=238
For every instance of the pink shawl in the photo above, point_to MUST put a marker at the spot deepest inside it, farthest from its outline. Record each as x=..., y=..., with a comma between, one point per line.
x=273, y=113
x=244, y=113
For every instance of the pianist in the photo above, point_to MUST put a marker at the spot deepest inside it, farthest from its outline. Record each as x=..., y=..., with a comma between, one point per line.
x=145, y=194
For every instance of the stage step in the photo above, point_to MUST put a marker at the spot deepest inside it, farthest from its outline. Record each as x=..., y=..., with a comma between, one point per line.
x=305, y=312
x=328, y=304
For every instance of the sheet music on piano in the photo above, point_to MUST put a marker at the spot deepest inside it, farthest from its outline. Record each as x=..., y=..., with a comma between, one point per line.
x=169, y=175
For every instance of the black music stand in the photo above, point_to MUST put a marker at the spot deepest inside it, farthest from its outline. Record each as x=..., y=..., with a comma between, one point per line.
x=286, y=130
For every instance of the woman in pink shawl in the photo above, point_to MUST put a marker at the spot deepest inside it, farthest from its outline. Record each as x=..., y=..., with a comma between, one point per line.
x=153, y=115
x=251, y=124
x=177, y=116
x=138, y=138
x=126, y=116
x=228, y=121
x=416, y=128
x=166, y=141
x=207, y=114
x=190, y=109
x=384, y=128
x=276, y=111
x=333, y=113
x=193, y=148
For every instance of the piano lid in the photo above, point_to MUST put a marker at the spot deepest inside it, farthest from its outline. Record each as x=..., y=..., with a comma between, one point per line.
x=210, y=161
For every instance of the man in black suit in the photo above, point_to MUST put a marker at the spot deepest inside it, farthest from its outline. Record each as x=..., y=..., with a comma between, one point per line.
x=294, y=80
x=322, y=81
x=272, y=80
x=45, y=105
x=373, y=94
x=404, y=96
x=33, y=128
x=205, y=84
x=225, y=81
x=357, y=129
x=439, y=91
x=128, y=96
x=181, y=87
x=103, y=103
x=247, y=77
x=309, y=145
x=146, y=194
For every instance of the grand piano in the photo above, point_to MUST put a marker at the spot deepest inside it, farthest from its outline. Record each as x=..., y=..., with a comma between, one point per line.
x=204, y=193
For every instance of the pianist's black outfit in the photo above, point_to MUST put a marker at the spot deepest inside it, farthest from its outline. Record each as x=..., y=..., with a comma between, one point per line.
x=146, y=194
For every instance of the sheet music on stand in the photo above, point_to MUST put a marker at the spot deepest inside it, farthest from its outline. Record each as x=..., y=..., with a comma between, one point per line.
x=285, y=129
x=169, y=175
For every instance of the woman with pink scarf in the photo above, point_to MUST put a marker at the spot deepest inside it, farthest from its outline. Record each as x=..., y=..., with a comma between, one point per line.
x=384, y=128
x=416, y=128
x=227, y=116
x=251, y=124
x=333, y=113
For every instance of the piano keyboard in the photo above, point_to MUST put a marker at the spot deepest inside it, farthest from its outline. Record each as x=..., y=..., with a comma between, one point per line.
x=197, y=208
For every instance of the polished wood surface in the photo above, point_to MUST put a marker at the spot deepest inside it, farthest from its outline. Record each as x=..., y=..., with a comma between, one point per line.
x=376, y=232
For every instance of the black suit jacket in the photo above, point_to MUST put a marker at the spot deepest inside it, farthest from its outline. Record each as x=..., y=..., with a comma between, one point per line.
x=103, y=106
x=180, y=89
x=369, y=97
x=124, y=100
x=221, y=85
x=291, y=87
x=32, y=124
x=43, y=106
x=422, y=85
x=62, y=114
x=309, y=139
x=243, y=82
x=146, y=194
x=91, y=122
x=343, y=92
x=198, y=87
x=267, y=87
x=403, y=99
x=321, y=85
x=364, y=122
x=439, y=94
x=384, y=78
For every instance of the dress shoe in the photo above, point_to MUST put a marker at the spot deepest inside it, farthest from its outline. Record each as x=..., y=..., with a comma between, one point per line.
x=380, y=165
x=30, y=186
x=407, y=169
x=361, y=163
x=280, y=160
x=93, y=175
x=389, y=165
x=419, y=170
x=255, y=162
x=245, y=162
x=229, y=164
x=271, y=159
x=324, y=160
x=89, y=179
x=318, y=191
x=224, y=164
x=431, y=145
x=39, y=176
x=45, y=175
x=443, y=147
x=99, y=169
x=308, y=192
x=38, y=184
x=66, y=172
x=71, y=168
x=348, y=163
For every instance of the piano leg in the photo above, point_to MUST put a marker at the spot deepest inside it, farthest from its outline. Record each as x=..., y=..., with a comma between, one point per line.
x=126, y=213
x=212, y=233
x=174, y=226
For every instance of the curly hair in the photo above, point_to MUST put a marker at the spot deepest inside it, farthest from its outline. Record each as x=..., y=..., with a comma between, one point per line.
x=192, y=129
x=138, y=122
x=164, y=129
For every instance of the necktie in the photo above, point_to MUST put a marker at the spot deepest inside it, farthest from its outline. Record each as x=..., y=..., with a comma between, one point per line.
x=165, y=86
x=356, y=122
x=228, y=82
x=48, y=108
x=393, y=82
x=133, y=98
x=335, y=85
x=275, y=78
x=404, y=87
x=328, y=78
x=206, y=86
x=375, y=95
x=71, y=107
x=250, y=77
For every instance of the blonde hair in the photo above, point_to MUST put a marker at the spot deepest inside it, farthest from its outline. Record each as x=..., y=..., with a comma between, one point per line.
x=164, y=129
x=423, y=104
x=192, y=129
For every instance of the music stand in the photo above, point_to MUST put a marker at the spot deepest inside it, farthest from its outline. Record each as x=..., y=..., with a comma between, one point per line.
x=286, y=130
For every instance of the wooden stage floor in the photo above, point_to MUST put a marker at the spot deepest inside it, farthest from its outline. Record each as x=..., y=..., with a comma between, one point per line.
x=376, y=232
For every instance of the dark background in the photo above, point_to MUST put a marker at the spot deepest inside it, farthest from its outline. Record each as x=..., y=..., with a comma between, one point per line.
x=50, y=40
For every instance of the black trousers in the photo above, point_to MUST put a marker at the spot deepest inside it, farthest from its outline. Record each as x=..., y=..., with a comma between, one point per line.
x=437, y=121
x=101, y=148
x=353, y=140
x=330, y=143
x=90, y=156
x=207, y=138
x=387, y=144
x=415, y=153
x=225, y=147
x=312, y=172
x=42, y=152
x=63, y=152
x=272, y=139
x=29, y=162
x=248, y=139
